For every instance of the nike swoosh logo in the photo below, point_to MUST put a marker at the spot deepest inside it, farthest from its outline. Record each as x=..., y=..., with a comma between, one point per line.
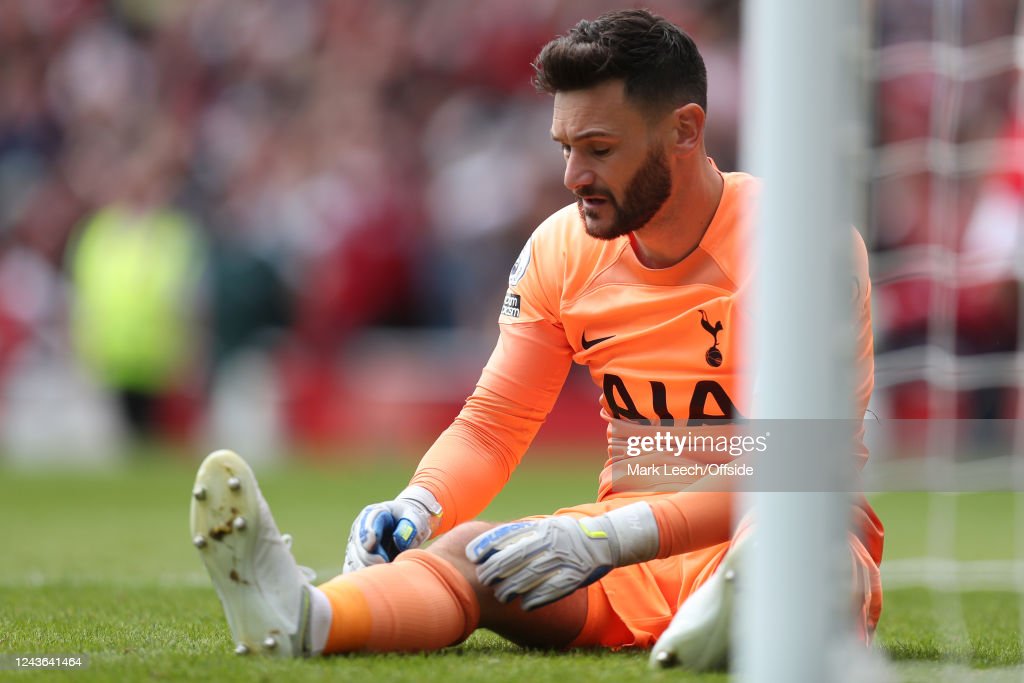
x=589, y=343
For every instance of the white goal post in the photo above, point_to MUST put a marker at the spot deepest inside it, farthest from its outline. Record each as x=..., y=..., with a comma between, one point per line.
x=801, y=126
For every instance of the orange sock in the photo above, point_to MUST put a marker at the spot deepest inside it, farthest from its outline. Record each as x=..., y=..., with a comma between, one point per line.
x=418, y=602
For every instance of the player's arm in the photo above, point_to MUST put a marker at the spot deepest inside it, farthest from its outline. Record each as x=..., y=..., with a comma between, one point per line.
x=473, y=459
x=544, y=560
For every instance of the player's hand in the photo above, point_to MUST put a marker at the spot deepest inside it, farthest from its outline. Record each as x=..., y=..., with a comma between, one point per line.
x=383, y=530
x=544, y=560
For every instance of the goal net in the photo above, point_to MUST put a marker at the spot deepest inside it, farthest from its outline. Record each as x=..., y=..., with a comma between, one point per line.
x=946, y=226
x=928, y=132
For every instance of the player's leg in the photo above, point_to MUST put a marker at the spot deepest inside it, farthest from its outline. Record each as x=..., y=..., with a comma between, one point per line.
x=553, y=626
x=429, y=599
x=423, y=600
x=698, y=637
x=266, y=596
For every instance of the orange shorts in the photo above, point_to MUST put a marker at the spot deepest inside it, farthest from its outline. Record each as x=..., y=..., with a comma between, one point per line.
x=631, y=606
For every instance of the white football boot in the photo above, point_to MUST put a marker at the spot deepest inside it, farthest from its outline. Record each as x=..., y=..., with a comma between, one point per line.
x=265, y=594
x=698, y=637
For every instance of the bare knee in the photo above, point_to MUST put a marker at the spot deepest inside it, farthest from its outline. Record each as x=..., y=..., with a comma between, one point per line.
x=452, y=546
x=555, y=625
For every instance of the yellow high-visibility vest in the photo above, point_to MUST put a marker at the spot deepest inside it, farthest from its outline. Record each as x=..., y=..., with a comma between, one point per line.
x=133, y=276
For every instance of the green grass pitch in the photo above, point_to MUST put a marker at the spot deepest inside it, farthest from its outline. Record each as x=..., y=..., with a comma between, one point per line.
x=99, y=562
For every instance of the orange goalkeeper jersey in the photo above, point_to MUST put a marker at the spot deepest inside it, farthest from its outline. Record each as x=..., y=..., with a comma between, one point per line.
x=662, y=345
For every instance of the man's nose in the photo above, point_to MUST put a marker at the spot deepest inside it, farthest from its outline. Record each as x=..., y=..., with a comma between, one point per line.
x=577, y=173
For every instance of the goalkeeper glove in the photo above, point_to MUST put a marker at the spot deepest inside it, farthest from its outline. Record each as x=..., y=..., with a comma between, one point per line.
x=547, y=559
x=383, y=530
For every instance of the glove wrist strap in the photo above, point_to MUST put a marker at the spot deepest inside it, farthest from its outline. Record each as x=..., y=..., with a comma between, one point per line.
x=635, y=533
x=424, y=498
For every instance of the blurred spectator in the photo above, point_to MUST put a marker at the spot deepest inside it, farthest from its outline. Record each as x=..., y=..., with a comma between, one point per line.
x=334, y=165
x=134, y=265
x=947, y=206
x=991, y=268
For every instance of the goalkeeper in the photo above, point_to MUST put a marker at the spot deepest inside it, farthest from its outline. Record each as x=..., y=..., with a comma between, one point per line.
x=642, y=280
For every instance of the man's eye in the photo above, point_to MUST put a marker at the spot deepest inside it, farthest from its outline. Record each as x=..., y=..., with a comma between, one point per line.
x=566, y=150
x=601, y=152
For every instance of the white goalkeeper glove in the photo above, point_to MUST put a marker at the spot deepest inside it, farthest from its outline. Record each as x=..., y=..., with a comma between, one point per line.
x=547, y=559
x=383, y=530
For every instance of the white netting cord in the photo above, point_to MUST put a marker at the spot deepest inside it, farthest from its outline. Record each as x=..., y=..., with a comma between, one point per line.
x=944, y=194
x=948, y=162
x=1017, y=156
x=951, y=164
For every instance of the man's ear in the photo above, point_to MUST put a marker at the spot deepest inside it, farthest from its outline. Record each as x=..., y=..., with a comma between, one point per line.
x=688, y=125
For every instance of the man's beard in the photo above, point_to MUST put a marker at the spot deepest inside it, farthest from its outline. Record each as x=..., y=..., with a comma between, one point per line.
x=646, y=192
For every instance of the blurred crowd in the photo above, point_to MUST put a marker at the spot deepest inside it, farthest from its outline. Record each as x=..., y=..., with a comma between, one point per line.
x=946, y=220
x=204, y=198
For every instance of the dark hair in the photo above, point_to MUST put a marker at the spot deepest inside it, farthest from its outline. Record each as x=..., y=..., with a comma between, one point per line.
x=658, y=62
